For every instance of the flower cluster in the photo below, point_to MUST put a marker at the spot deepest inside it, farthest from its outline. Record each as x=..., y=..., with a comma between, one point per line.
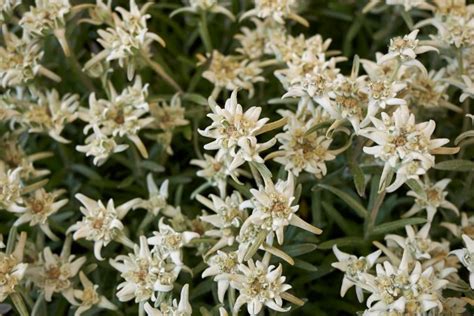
x=205, y=157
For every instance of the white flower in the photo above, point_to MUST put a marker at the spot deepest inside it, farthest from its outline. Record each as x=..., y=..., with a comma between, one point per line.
x=128, y=39
x=11, y=186
x=418, y=245
x=12, y=270
x=259, y=285
x=221, y=266
x=273, y=209
x=49, y=113
x=101, y=223
x=157, y=198
x=382, y=93
x=45, y=17
x=300, y=150
x=404, y=146
x=144, y=271
x=231, y=126
x=466, y=227
x=403, y=290
x=354, y=269
x=37, y=208
x=89, y=297
x=183, y=308
x=466, y=257
x=19, y=60
x=124, y=115
x=231, y=72
x=216, y=170
x=6, y=8
x=100, y=147
x=168, y=116
x=198, y=6
x=277, y=10
x=15, y=157
x=169, y=242
x=435, y=197
x=54, y=274
x=227, y=219
x=406, y=49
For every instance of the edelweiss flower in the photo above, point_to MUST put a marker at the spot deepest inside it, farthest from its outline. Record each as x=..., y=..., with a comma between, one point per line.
x=354, y=269
x=49, y=113
x=221, y=266
x=121, y=116
x=6, y=8
x=168, y=116
x=15, y=157
x=231, y=72
x=169, y=242
x=53, y=273
x=403, y=290
x=277, y=10
x=100, y=147
x=11, y=186
x=435, y=197
x=198, y=6
x=157, y=198
x=231, y=126
x=408, y=5
x=183, y=308
x=405, y=49
x=380, y=94
x=37, y=208
x=227, y=219
x=466, y=227
x=301, y=150
x=144, y=272
x=19, y=60
x=101, y=223
x=418, y=245
x=466, y=257
x=48, y=16
x=253, y=41
x=216, y=170
x=404, y=146
x=89, y=297
x=12, y=269
x=128, y=39
x=259, y=285
x=273, y=209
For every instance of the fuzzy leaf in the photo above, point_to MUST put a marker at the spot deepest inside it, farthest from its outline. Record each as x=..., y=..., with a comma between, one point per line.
x=401, y=223
x=353, y=203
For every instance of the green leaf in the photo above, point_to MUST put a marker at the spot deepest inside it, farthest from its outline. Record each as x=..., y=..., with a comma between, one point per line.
x=305, y=265
x=455, y=165
x=299, y=249
x=152, y=166
x=333, y=213
x=196, y=98
x=401, y=223
x=87, y=172
x=359, y=178
x=353, y=203
x=342, y=242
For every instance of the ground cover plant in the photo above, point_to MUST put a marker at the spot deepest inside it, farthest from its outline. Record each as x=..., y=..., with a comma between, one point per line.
x=265, y=157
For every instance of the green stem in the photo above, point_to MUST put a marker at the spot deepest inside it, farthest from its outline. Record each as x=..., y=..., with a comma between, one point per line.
x=460, y=61
x=204, y=32
x=19, y=304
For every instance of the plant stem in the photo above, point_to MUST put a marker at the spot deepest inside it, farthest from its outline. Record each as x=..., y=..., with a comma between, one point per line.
x=161, y=72
x=19, y=304
x=204, y=32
